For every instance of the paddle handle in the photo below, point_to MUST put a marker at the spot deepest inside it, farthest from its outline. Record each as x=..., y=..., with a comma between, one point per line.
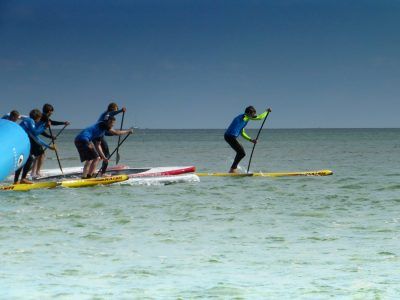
x=254, y=145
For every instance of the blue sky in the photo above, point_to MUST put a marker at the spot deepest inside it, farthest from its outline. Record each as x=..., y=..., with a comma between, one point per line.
x=197, y=64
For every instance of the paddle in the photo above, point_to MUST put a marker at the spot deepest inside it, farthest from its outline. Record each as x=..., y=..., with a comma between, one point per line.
x=254, y=145
x=62, y=129
x=55, y=149
x=119, y=139
x=116, y=149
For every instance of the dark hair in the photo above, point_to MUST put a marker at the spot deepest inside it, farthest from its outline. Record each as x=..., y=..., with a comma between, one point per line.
x=112, y=106
x=110, y=118
x=14, y=114
x=47, y=108
x=35, y=113
x=250, y=109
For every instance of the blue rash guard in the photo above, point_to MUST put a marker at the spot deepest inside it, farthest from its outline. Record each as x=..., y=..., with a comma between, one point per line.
x=34, y=130
x=6, y=117
x=91, y=133
x=239, y=123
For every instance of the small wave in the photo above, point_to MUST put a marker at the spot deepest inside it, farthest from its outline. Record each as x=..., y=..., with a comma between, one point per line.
x=392, y=175
x=386, y=253
x=275, y=238
x=352, y=186
x=122, y=221
x=322, y=239
x=393, y=187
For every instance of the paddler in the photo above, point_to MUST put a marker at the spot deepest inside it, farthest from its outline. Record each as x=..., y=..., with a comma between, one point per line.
x=236, y=128
x=112, y=110
x=33, y=128
x=88, y=144
x=12, y=116
x=47, y=111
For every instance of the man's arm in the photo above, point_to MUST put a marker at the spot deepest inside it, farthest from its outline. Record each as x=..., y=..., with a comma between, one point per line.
x=245, y=136
x=45, y=134
x=100, y=150
x=119, y=132
x=58, y=123
x=114, y=113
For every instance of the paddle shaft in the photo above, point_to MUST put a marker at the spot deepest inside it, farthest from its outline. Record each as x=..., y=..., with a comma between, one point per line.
x=254, y=145
x=62, y=129
x=112, y=153
x=55, y=149
x=119, y=139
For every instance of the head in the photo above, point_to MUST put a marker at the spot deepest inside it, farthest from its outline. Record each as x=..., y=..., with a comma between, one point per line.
x=250, y=111
x=112, y=106
x=14, y=116
x=47, y=109
x=35, y=114
x=110, y=122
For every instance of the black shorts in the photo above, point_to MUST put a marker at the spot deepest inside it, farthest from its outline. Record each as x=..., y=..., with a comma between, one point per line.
x=36, y=148
x=86, y=153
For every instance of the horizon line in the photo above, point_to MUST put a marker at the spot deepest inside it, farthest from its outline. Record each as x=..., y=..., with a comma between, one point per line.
x=275, y=128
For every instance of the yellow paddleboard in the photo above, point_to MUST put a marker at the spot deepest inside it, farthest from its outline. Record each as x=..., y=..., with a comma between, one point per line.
x=275, y=174
x=28, y=187
x=93, y=181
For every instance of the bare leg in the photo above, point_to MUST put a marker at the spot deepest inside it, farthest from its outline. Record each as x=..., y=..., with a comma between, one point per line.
x=86, y=168
x=39, y=163
x=34, y=167
x=93, y=166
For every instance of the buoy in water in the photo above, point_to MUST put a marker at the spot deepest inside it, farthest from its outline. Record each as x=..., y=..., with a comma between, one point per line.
x=14, y=147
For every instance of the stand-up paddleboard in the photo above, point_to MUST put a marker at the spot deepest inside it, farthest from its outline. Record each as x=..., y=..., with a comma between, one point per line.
x=14, y=147
x=269, y=174
x=77, y=183
x=28, y=187
x=76, y=172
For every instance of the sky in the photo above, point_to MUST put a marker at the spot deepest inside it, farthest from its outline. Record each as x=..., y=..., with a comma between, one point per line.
x=198, y=64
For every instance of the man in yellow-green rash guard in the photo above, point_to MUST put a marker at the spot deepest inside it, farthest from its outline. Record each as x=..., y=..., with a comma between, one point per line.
x=237, y=128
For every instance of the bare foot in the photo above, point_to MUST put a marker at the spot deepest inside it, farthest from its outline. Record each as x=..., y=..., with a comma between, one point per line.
x=233, y=171
x=25, y=181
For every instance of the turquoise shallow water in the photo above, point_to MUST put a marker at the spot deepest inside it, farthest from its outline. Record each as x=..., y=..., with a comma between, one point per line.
x=224, y=238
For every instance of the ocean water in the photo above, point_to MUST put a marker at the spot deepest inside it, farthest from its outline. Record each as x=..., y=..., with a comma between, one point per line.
x=334, y=237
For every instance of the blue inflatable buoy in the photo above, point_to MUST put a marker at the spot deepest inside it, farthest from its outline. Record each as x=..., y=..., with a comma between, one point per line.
x=14, y=147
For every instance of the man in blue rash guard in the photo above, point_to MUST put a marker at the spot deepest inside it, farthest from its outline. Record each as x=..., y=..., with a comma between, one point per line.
x=31, y=127
x=88, y=141
x=236, y=128
x=112, y=110
x=47, y=111
x=13, y=116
